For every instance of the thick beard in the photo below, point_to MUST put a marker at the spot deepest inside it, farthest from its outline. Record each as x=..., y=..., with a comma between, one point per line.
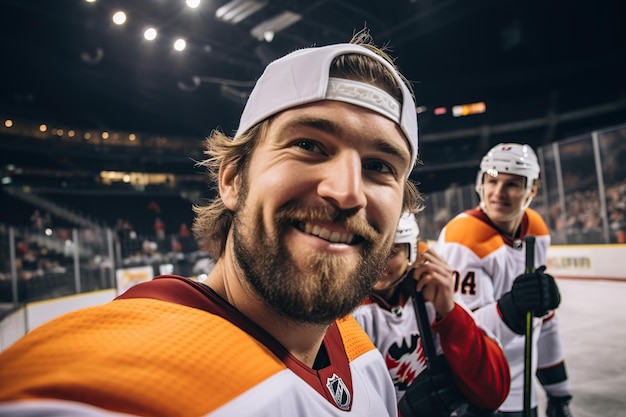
x=327, y=287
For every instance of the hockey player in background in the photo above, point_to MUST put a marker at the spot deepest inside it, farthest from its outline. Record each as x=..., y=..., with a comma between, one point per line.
x=486, y=246
x=478, y=366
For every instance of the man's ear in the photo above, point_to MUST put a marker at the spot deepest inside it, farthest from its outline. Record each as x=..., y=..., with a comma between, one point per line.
x=534, y=189
x=229, y=182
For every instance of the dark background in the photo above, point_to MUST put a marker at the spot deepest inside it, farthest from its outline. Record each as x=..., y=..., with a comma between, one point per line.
x=547, y=70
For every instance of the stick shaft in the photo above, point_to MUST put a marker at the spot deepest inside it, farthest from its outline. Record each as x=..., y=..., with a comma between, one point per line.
x=528, y=345
x=430, y=353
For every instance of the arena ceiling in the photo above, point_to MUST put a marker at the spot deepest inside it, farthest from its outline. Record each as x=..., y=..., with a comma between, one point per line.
x=64, y=61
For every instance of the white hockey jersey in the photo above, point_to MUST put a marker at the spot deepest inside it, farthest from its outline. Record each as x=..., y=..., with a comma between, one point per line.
x=477, y=361
x=486, y=263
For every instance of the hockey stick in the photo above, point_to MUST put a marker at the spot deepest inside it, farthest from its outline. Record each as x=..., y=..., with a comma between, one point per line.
x=528, y=346
x=430, y=353
x=434, y=392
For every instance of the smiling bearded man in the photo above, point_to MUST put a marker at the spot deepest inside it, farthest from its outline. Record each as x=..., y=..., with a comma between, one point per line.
x=327, y=286
x=309, y=193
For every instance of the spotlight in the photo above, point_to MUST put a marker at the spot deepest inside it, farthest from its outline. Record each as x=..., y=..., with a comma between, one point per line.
x=119, y=18
x=150, y=34
x=180, y=44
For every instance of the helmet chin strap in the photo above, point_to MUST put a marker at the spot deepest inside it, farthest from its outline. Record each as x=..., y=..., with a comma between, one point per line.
x=389, y=293
x=529, y=200
x=402, y=276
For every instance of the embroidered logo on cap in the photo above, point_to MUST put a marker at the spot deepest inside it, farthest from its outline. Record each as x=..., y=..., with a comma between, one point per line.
x=364, y=95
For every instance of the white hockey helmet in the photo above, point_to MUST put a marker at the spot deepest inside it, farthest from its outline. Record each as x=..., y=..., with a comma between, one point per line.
x=509, y=158
x=408, y=232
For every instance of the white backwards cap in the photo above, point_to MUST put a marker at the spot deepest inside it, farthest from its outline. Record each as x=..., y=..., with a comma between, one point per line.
x=303, y=76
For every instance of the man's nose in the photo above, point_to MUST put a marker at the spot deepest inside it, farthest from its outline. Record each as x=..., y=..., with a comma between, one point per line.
x=499, y=188
x=342, y=181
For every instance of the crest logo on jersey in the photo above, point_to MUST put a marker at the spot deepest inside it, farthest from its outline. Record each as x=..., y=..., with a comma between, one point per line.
x=339, y=391
x=405, y=360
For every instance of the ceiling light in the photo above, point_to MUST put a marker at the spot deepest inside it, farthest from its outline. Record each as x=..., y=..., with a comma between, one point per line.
x=119, y=18
x=150, y=34
x=275, y=25
x=193, y=3
x=237, y=10
x=180, y=44
x=268, y=35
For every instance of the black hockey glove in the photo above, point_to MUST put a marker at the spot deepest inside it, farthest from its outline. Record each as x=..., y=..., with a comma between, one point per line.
x=433, y=395
x=559, y=406
x=535, y=291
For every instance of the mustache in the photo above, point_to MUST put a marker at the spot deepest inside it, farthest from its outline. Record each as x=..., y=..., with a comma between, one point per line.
x=293, y=212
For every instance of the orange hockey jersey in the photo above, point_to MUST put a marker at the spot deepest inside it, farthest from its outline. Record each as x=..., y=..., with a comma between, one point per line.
x=173, y=347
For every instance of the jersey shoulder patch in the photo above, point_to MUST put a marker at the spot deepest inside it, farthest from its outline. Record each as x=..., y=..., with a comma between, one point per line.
x=355, y=340
x=474, y=234
x=536, y=225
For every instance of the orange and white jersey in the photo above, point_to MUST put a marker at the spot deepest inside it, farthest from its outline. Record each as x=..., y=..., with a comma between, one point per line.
x=486, y=263
x=173, y=347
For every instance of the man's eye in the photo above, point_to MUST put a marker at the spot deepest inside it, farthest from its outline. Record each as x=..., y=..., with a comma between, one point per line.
x=514, y=185
x=308, y=145
x=378, y=166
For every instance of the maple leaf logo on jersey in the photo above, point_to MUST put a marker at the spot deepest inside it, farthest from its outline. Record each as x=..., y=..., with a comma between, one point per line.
x=405, y=361
x=405, y=375
x=339, y=391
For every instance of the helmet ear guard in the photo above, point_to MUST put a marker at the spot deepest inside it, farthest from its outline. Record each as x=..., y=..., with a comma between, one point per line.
x=407, y=232
x=509, y=158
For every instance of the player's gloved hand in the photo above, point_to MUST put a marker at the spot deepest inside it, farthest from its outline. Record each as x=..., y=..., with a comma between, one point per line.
x=559, y=406
x=433, y=394
x=535, y=291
